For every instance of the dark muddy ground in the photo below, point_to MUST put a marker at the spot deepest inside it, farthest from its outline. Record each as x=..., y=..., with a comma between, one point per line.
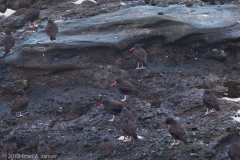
x=63, y=105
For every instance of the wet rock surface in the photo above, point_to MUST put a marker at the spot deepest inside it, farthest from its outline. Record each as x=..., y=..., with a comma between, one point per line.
x=189, y=50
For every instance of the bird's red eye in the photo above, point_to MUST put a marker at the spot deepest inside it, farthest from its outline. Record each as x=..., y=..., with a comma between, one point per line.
x=18, y=95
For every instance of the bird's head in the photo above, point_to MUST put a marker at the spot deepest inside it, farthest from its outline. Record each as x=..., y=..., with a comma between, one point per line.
x=118, y=80
x=20, y=92
x=207, y=91
x=36, y=6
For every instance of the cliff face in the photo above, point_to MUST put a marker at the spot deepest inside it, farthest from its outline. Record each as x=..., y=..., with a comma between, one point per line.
x=189, y=50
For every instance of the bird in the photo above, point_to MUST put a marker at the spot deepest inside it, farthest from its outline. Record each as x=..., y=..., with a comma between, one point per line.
x=112, y=106
x=31, y=15
x=130, y=129
x=20, y=103
x=127, y=114
x=43, y=151
x=206, y=2
x=210, y=101
x=147, y=2
x=106, y=147
x=8, y=42
x=125, y=88
x=234, y=152
x=10, y=149
x=140, y=55
x=52, y=30
x=176, y=131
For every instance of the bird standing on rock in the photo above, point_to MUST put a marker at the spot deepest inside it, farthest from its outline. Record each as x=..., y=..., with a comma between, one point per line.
x=52, y=30
x=140, y=55
x=107, y=147
x=125, y=88
x=20, y=103
x=111, y=106
x=234, y=152
x=210, y=100
x=8, y=42
x=147, y=2
x=130, y=129
x=10, y=149
x=43, y=151
x=206, y=2
x=31, y=15
x=176, y=131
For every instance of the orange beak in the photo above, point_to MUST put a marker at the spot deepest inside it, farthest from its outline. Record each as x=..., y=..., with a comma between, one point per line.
x=168, y=125
x=114, y=83
x=132, y=48
x=100, y=106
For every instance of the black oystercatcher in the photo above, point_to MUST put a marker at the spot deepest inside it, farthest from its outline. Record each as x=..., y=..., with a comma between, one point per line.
x=106, y=147
x=31, y=15
x=140, y=55
x=127, y=114
x=10, y=149
x=130, y=129
x=52, y=30
x=210, y=100
x=125, y=88
x=184, y=1
x=147, y=2
x=176, y=131
x=234, y=152
x=20, y=103
x=111, y=106
x=8, y=42
x=43, y=151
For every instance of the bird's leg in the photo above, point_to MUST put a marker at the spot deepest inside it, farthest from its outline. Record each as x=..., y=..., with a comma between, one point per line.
x=206, y=112
x=124, y=99
x=35, y=25
x=212, y=110
x=111, y=120
x=174, y=143
x=20, y=115
x=142, y=67
x=137, y=67
x=129, y=139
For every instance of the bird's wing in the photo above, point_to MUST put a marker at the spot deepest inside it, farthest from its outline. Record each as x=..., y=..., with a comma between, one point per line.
x=127, y=87
x=19, y=103
x=210, y=100
x=130, y=129
x=178, y=132
x=140, y=55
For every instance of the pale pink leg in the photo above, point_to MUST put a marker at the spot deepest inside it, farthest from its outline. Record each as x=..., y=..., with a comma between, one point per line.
x=174, y=143
x=206, y=112
x=20, y=114
x=35, y=25
x=128, y=139
x=124, y=99
x=111, y=120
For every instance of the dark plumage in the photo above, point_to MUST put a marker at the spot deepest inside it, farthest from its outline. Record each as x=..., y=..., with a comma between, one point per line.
x=210, y=100
x=140, y=55
x=147, y=2
x=8, y=42
x=10, y=148
x=127, y=114
x=222, y=2
x=20, y=103
x=206, y=2
x=125, y=88
x=31, y=15
x=234, y=152
x=129, y=128
x=52, y=30
x=106, y=147
x=176, y=131
x=43, y=151
x=111, y=106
